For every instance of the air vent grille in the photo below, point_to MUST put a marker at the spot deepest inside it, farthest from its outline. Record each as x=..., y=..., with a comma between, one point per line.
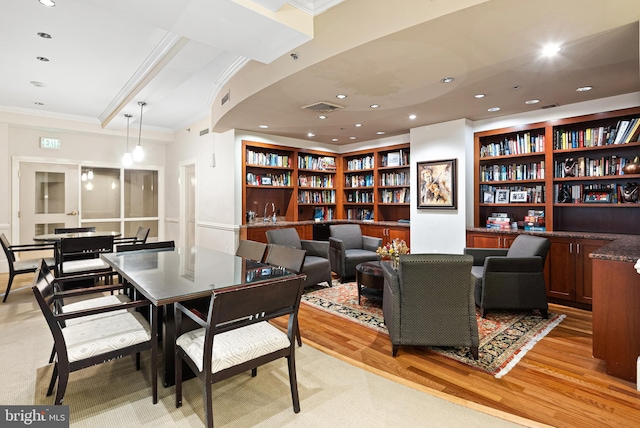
x=322, y=107
x=549, y=106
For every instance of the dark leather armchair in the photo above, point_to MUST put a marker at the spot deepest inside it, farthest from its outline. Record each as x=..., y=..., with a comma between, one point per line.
x=316, y=265
x=429, y=301
x=511, y=278
x=349, y=248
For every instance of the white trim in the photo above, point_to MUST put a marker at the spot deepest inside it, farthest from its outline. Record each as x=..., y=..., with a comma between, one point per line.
x=172, y=220
x=218, y=226
x=183, y=165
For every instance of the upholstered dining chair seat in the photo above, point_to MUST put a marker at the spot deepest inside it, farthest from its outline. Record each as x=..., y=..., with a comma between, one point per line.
x=77, y=266
x=105, y=334
x=33, y=264
x=95, y=302
x=236, y=346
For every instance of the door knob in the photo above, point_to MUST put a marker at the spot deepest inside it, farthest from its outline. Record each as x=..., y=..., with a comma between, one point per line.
x=74, y=212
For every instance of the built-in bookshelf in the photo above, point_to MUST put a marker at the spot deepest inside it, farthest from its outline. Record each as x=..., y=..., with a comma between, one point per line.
x=568, y=170
x=358, y=196
x=394, y=183
x=316, y=186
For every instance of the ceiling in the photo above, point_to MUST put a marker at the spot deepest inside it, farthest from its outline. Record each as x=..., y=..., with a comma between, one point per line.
x=181, y=57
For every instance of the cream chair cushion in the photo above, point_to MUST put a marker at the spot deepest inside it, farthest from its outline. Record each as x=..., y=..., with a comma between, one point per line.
x=95, y=302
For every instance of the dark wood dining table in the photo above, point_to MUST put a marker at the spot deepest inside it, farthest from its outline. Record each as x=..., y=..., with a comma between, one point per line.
x=175, y=275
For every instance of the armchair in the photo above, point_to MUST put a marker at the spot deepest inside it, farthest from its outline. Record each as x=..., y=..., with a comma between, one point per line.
x=511, y=278
x=316, y=264
x=349, y=248
x=428, y=301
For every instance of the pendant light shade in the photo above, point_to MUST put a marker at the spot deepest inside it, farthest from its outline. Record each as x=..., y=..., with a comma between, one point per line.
x=127, y=160
x=138, y=152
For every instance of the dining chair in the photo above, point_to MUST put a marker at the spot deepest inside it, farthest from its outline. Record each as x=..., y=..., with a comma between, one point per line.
x=21, y=266
x=139, y=238
x=117, y=332
x=82, y=255
x=251, y=250
x=59, y=230
x=237, y=337
x=159, y=245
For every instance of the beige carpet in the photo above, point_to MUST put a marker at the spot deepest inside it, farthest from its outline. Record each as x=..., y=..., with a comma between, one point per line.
x=332, y=392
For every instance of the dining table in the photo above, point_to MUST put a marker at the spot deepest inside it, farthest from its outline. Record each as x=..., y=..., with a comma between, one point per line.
x=168, y=276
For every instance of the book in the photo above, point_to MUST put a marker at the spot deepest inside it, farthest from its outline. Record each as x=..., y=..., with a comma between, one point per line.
x=393, y=159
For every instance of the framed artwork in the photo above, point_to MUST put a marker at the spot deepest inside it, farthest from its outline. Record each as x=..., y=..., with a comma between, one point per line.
x=437, y=184
x=597, y=196
x=487, y=197
x=518, y=197
x=265, y=181
x=502, y=196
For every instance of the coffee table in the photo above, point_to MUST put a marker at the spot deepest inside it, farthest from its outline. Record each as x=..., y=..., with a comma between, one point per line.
x=369, y=276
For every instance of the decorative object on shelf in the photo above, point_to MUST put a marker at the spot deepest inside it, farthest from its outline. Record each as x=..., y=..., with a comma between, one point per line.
x=564, y=195
x=569, y=167
x=502, y=196
x=518, y=197
x=597, y=196
x=437, y=184
x=630, y=192
x=632, y=167
x=487, y=197
x=391, y=251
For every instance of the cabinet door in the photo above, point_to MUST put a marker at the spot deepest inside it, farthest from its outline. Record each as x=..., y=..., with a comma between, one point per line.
x=375, y=231
x=584, y=290
x=562, y=269
x=399, y=233
x=257, y=234
x=483, y=240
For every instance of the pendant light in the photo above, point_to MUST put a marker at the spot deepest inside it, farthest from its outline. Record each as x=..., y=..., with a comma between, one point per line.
x=127, y=160
x=138, y=153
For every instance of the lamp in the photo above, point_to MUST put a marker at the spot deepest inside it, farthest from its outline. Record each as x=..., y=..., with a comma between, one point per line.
x=138, y=153
x=127, y=160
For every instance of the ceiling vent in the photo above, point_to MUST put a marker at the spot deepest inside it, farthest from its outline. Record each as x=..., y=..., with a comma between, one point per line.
x=322, y=107
x=549, y=106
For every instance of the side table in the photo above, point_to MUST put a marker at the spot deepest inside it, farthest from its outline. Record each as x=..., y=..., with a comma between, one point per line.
x=369, y=275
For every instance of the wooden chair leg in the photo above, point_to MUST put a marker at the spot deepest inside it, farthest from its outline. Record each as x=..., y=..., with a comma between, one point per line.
x=6, y=293
x=293, y=382
x=208, y=404
x=298, y=336
x=53, y=355
x=178, y=376
x=394, y=350
x=52, y=382
x=544, y=313
x=63, y=379
x=254, y=372
x=474, y=352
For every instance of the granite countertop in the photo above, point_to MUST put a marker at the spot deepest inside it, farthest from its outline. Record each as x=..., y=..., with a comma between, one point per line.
x=622, y=248
x=285, y=223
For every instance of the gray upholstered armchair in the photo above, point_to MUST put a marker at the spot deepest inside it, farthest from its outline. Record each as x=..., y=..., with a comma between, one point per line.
x=511, y=278
x=350, y=248
x=428, y=301
x=316, y=263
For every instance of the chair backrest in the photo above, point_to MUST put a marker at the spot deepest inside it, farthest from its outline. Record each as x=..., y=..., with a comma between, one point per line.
x=287, y=257
x=6, y=246
x=44, y=291
x=142, y=234
x=529, y=246
x=59, y=230
x=91, y=245
x=350, y=234
x=160, y=245
x=251, y=250
x=288, y=237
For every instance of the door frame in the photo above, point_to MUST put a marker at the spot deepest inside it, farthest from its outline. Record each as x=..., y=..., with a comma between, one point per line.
x=183, y=209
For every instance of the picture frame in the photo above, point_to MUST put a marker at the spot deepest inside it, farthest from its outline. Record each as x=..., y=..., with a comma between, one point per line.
x=265, y=181
x=437, y=184
x=518, y=197
x=502, y=196
x=597, y=196
x=487, y=197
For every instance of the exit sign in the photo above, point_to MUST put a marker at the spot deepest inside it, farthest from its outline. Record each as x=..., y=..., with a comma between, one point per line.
x=49, y=143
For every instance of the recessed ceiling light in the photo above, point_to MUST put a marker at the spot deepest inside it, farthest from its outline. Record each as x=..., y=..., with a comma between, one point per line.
x=412, y=116
x=584, y=88
x=532, y=101
x=447, y=80
x=263, y=126
x=374, y=106
x=358, y=125
x=479, y=96
x=352, y=138
x=38, y=103
x=44, y=35
x=48, y=3
x=311, y=134
x=493, y=109
x=322, y=116
x=43, y=59
x=550, y=49
x=341, y=96
x=38, y=84
x=380, y=132
x=334, y=139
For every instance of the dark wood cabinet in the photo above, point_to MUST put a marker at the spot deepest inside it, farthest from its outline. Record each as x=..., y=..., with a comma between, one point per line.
x=489, y=240
x=387, y=233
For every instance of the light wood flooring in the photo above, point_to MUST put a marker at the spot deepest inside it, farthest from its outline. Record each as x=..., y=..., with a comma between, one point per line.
x=557, y=383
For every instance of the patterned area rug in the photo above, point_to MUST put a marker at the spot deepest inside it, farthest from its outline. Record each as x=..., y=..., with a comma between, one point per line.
x=505, y=337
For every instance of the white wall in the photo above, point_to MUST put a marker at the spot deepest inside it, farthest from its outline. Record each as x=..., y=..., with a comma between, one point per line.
x=441, y=230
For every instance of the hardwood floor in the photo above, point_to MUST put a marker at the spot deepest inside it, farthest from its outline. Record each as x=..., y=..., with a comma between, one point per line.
x=557, y=383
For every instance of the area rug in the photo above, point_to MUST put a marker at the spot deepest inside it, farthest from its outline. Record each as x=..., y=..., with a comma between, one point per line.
x=505, y=337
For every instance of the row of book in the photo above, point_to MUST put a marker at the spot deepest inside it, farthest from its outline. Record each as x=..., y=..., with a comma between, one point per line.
x=317, y=197
x=283, y=179
x=534, y=221
x=323, y=213
x=324, y=181
x=365, y=162
x=587, y=167
x=360, y=196
x=398, y=158
x=527, y=171
x=499, y=221
x=358, y=180
x=625, y=131
x=268, y=159
x=520, y=144
x=399, y=196
x=395, y=179
x=321, y=163
x=359, y=214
